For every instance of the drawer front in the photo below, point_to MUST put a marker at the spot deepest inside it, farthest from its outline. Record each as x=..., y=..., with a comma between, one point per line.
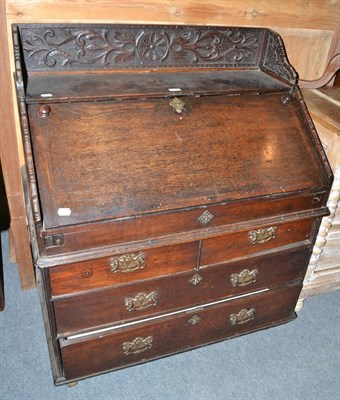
x=123, y=268
x=209, y=284
x=134, y=344
x=239, y=244
x=158, y=224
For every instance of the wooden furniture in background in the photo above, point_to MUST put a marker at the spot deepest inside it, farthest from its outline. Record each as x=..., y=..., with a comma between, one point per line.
x=175, y=184
x=323, y=272
x=10, y=148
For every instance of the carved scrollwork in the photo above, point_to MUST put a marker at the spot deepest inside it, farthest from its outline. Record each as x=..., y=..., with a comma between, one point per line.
x=48, y=46
x=32, y=183
x=275, y=59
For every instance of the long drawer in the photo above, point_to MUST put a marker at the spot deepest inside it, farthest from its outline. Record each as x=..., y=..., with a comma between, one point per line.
x=166, y=260
x=155, y=225
x=130, y=302
x=105, y=351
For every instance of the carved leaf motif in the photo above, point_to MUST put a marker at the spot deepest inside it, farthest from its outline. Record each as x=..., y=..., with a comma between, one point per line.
x=276, y=60
x=201, y=46
x=241, y=46
x=137, y=46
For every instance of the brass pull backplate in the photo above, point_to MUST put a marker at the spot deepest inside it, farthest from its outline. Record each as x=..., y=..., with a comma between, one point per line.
x=244, y=278
x=141, y=302
x=194, y=320
x=263, y=235
x=242, y=317
x=178, y=105
x=127, y=262
x=138, y=345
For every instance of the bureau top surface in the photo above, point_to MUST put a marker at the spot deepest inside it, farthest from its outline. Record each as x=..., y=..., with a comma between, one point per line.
x=113, y=159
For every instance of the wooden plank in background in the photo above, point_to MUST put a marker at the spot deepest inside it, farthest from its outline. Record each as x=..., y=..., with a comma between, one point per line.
x=11, y=166
x=313, y=20
x=305, y=14
x=307, y=50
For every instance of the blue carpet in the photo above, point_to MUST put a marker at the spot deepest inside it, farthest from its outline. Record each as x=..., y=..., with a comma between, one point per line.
x=296, y=361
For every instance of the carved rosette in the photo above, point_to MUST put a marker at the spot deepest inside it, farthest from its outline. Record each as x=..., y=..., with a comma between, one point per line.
x=113, y=47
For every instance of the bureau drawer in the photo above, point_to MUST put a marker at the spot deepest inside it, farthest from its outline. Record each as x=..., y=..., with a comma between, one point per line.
x=186, y=221
x=131, y=302
x=239, y=244
x=152, y=339
x=123, y=268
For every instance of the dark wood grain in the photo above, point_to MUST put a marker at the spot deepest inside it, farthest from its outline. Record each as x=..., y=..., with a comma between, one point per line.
x=117, y=236
x=10, y=161
x=106, y=47
x=224, y=248
x=94, y=274
x=148, y=84
x=95, y=309
x=139, y=143
x=152, y=215
x=98, y=354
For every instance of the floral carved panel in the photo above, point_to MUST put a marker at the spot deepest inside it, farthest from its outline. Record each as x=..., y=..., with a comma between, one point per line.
x=113, y=47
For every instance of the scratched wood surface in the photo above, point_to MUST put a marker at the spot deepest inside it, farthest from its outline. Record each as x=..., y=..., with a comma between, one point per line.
x=307, y=26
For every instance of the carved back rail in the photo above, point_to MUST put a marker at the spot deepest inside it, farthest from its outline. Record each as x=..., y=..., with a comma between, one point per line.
x=83, y=47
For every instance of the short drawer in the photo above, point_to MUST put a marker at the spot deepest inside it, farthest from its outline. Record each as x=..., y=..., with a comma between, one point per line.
x=131, y=302
x=133, y=344
x=122, y=268
x=242, y=243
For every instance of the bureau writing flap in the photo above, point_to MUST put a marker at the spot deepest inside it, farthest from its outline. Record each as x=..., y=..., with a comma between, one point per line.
x=104, y=160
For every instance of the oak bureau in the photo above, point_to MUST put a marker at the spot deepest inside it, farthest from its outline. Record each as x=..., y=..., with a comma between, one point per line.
x=175, y=184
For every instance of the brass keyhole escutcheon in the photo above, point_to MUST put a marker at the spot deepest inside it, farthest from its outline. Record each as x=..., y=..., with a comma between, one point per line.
x=178, y=105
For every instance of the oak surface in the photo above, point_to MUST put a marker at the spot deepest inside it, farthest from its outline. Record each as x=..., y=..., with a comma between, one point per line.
x=11, y=165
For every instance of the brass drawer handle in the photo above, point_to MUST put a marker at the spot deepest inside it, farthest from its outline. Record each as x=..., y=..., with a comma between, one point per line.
x=195, y=280
x=127, y=262
x=138, y=345
x=242, y=317
x=44, y=111
x=263, y=235
x=141, y=302
x=194, y=320
x=244, y=278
